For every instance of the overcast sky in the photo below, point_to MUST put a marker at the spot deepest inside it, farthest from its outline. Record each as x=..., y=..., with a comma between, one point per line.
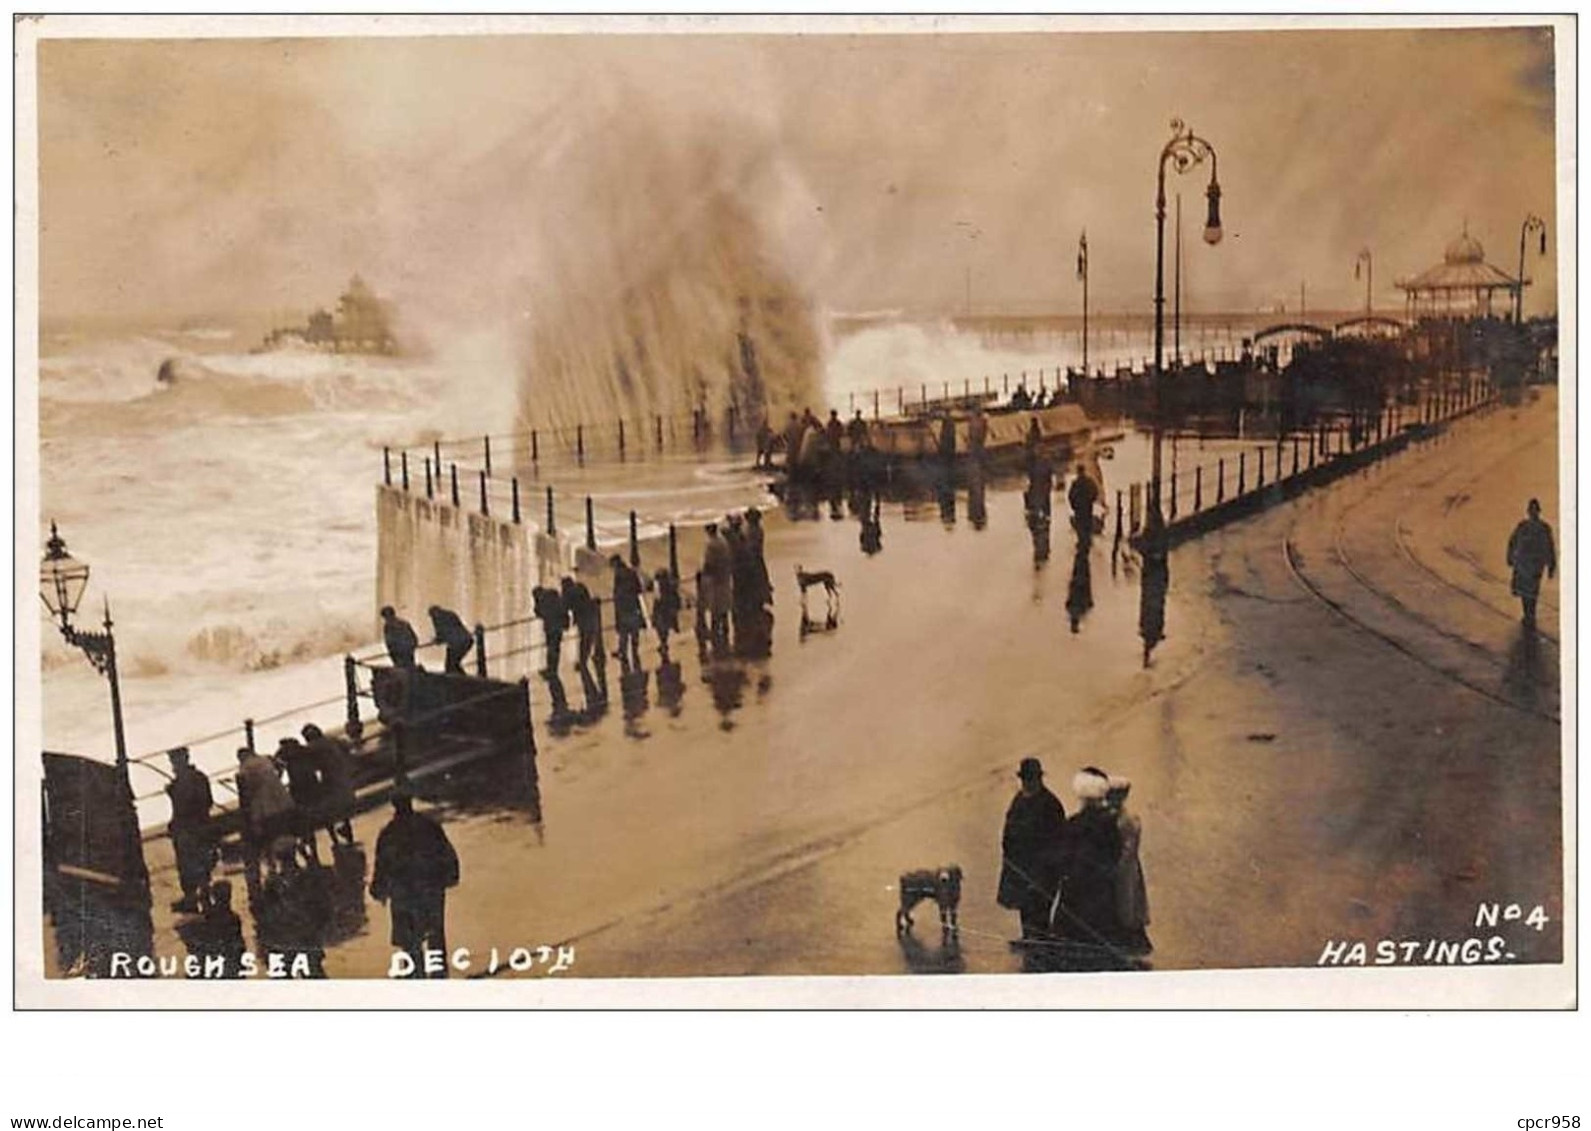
x=188, y=177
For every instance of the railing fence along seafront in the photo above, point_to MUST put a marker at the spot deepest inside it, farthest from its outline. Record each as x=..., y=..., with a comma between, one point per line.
x=470, y=478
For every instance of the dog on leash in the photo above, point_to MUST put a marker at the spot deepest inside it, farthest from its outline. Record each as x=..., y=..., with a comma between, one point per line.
x=823, y=577
x=943, y=886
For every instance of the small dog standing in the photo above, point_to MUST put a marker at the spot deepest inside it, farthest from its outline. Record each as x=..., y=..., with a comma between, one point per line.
x=943, y=886
x=823, y=577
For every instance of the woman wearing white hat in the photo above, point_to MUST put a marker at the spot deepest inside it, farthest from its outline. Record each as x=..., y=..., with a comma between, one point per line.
x=1087, y=912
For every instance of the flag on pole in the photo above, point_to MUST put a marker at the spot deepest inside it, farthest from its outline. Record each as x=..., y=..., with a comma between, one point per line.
x=1082, y=256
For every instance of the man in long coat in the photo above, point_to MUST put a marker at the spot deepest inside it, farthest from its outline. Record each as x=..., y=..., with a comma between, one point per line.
x=1530, y=551
x=191, y=834
x=415, y=865
x=1032, y=848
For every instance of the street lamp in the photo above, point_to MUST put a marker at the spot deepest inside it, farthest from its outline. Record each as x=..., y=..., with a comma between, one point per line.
x=62, y=581
x=1533, y=223
x=1082, y=274
x=1183, y=151
x=1369, y=264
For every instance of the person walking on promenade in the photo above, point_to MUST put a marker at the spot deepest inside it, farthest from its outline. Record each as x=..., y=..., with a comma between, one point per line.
x=629, y=618
x=1530, y=551
x=665, y=609
x=1087, y=912
x=191, y=836
x=756, y=539
x=267, y=810
x=947, y=439
x=1041, y=485
x=303, y=786
x=415, y=865
x=764, y=444
x=451, y=632
x=856, y=433
x=1082, y=495
x=549, y=609
x=834, y=432
x=1032, y=848
x=398, y=634
x=334, y=765
x=977, y=432
x=1132, y=897
x=716, y=591
x=1154, y=546
x=586, y=617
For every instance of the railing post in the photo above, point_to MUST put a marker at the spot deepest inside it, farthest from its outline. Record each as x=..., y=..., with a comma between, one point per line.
x=552, y=525
x=1242, y=472
x=621, y=439
x=591, y=525
x=635, y=542
x=673, y=552
x=875, y=404
x=1312, y=449
x=430, y=491
x=1220, y=480
x=486, y=445
x=535, y=446
x=1005, y=385
x=925, y=396
x=405, y=470
x=1259, y=480
x=1173, y=479
x=436, y=455
x=486, y=508
x=351, y=688
x=580, y=441
x=386, y=466
x=1118, y=516
x=248, y=735
x=453, y=473
x=659, y=430
x=514, y=482
x=480, y=650
x=1198, y=489
x=1295, y=453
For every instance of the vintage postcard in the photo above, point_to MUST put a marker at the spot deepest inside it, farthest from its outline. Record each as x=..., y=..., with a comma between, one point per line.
x=787, y=512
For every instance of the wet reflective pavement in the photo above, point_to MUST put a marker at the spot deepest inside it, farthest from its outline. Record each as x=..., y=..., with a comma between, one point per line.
x=1300, y=777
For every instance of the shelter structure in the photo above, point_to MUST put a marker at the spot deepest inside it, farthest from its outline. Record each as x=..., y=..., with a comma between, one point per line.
x=1461, y=286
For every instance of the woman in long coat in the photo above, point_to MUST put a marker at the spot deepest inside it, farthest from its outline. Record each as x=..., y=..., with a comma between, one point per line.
x=1132, y=897
x=1088, y=893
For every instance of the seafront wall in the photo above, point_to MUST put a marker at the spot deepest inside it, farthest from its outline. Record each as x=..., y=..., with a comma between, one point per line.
x=429, y=552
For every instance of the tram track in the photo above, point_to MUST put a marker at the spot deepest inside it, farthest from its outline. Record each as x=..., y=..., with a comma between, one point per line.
x=1300, y=568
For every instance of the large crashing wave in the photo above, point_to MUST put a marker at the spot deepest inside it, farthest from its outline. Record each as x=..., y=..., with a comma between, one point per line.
x=672, y=280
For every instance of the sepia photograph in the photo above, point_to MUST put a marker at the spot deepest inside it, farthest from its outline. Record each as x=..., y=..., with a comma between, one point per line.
x=894, y=512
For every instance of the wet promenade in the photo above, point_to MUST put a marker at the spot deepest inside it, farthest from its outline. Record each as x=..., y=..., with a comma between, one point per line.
x=1344, y=735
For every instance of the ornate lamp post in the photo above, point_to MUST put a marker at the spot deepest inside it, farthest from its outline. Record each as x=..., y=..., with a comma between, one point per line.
x=1183, y=152
x=62, y=580
x=1533, y=223
x=1367, y=261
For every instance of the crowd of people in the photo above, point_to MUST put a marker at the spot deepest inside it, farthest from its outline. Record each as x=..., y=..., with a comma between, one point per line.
x=1075, y=881
x=298, y=902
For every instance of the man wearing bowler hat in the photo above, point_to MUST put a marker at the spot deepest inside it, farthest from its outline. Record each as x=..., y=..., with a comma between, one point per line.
x=1032, y=851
